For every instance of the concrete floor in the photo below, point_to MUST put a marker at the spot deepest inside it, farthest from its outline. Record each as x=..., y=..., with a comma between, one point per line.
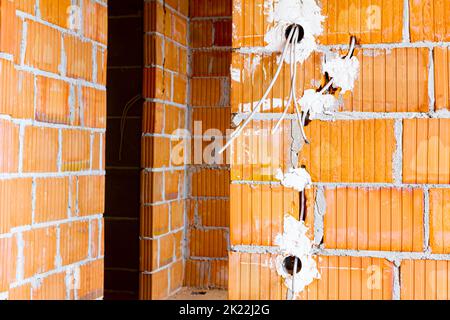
x=199, y=294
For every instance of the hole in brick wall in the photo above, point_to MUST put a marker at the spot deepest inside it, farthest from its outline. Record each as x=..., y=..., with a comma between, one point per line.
x=303, y=202
x=300, y=30
x=198, y=293
x=288, y=265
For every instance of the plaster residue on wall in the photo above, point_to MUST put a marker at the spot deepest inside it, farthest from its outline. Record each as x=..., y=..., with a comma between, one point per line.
x=283, y=13
x=294, y=242
x=297, y=179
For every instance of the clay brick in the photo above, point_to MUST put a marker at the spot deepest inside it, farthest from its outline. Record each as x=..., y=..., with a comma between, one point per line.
x=210, y=8
x=223, y=33
x=153, y=53
x=374, y=219
x=39, y=251
x=79, y=57
x=52, y=287
x=150, y=187
x=40, y=152
x=157, y=19
x=74, y=241
x=211, y=63
x=439, y=222
x=177, y=214
x=212, y=118
x=91, y=195
x=425, y=151
x=154, y=286
x=349, y=151
x=52, y=199
x=197, y=273
x=102, y=59
x=55, y=12
x=157, y=84
x=179, y=29
x=76, y=146
x=52, y=102
x=394, y=80
x=153, y=117
x=94, y=244
x=166, y=247
x=43, y=47
x=251, y=74
x=9, y=144
x=8, y=251
x=95, y=21
x=94, y=106
x=424, y=280
x=10, y=28
x=219, y=274
x=351, y=278
x=174, y=119
x=97, y=152
x=148, y=253
x=15, y=203
x=178, y=239
x=176, y=276
x=210, y=183
x=25, y=6
x=208, y=243
x=91, y=280
x=208, y=92
x=155, y=152
x=179, y=89
x=201, y=34
x=441, y=77
x=213, y=213
x=429, y=20
x=174, y=182
x=257, y=213
x=252, y=278
x=20, y=293
x=154, y=220
x=257, y=153
x=17, y=91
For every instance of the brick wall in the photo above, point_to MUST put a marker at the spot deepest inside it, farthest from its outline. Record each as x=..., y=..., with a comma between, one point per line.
x=163, y=176
x=52, y=138
x=208, y=206
x=381, y=172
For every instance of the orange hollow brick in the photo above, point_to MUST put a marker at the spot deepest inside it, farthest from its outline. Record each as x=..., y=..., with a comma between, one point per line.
x=52, y=199
x=439, y=221
x=9, y=144
x=52, y=101
x=40, y=153
x=425, y=151
x=74, y=241
x=374, y=219
x=349, y=151
x=75, y=150
x=15, y=203
x=8, y=251
x=43, y=47
x=424, y=280
x=39, y=251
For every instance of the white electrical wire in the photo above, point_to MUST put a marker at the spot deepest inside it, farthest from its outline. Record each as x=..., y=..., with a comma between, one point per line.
x=236, y=133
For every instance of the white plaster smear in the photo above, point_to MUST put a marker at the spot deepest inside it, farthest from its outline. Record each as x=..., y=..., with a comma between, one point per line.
x=297, y=179
x=343, y=71
x=294, y=242
x=286, y=12
x=317, y=103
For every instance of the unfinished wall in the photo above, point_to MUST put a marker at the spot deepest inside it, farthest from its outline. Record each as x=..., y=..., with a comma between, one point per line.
x=52, y=132
x=123, y=149
x=163, y=175
x=208, y=206
x=381, y=172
